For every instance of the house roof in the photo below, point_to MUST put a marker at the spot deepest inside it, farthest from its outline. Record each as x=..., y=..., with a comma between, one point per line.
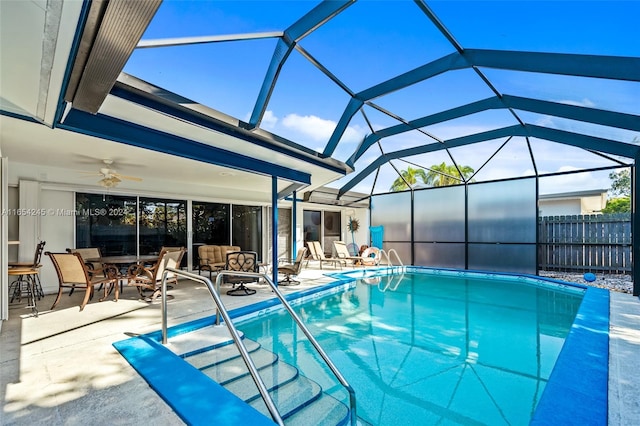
x=574, y=194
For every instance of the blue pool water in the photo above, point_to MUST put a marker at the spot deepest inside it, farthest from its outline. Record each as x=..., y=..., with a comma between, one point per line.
x=432, y=349
x=441, y=347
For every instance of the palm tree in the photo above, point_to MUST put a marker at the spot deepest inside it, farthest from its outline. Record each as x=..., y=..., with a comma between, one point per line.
x=408, y=179
x=447, y=174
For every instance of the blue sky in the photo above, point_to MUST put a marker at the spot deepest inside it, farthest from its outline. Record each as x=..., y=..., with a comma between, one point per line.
x=372, y=41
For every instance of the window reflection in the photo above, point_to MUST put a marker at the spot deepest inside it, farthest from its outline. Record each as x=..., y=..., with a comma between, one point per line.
x=323, y=226
x=107, y=222
x=247, y=228
x=331, y=231
x=210, y=226
x=162, y=223
x=120, y=225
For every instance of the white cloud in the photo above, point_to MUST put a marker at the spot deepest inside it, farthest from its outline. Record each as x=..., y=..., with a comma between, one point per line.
x=316, y=128
x=353, y=134
x=269, y=120
x=584, y=103
x=546, y=121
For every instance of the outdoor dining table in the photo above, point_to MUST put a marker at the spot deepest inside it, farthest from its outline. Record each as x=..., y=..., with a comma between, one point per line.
x=124, y=262
x=127, y=259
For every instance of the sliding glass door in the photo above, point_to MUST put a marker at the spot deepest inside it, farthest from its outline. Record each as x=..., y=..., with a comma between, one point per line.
x=107, y=222
x=163, y=223
x=120, y=225
x=112, y=223
x=322, y=226
x=246, y=228
x=211, y=225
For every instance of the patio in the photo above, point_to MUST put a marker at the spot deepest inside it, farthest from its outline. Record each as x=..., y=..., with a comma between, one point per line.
x=72, y=373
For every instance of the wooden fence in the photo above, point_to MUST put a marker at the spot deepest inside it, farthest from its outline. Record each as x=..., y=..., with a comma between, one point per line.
x=589, y=243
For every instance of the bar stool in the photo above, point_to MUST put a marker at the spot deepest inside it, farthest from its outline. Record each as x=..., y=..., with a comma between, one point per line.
x=26, y=284
x=33, y=265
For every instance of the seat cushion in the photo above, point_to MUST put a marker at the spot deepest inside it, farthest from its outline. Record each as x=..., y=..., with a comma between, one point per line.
x=214, y=255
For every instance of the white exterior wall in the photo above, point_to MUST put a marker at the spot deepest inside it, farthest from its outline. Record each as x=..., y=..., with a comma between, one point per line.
x=58, y=230
x=559, y=207
x=573, y=206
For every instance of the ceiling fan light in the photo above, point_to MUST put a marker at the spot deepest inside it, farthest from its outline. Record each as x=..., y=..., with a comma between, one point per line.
x=108, y=182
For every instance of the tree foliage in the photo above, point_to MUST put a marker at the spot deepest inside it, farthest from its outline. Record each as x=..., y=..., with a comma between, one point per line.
x=621, y=183
x=438, y=175
x=621, y=191
x=618, y=205
x=447, y=174
x=408, y=178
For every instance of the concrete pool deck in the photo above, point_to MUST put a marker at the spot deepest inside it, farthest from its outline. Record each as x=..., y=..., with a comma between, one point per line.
x=50, y=374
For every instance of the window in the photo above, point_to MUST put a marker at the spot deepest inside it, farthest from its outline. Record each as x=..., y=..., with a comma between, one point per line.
x=246, y=228
x=162, y=223
x=211, y=225
x=322, y=226
x=107, y=222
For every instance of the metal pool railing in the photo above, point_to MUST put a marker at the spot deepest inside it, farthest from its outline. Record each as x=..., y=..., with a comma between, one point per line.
x=385, y=254
x=221, y=311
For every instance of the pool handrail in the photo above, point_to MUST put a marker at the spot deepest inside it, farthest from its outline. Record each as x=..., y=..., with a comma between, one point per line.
x=384, y=253
x=221, y=311
x=262, y=388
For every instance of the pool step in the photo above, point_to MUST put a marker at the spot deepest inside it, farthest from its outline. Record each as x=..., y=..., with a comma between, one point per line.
x=235, y=368
x=300, y=401
x=222, y=354
x=324, y=411
x=273, y=377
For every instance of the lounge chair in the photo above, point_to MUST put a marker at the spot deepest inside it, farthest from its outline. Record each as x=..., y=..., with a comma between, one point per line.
x=292, y=269
x=342, y=252
x=318, y=254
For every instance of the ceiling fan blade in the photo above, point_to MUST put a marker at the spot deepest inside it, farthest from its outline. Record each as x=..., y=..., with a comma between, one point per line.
x=137, y=179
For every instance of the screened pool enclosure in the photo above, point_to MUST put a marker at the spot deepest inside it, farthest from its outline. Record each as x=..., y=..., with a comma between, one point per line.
x=450, y=117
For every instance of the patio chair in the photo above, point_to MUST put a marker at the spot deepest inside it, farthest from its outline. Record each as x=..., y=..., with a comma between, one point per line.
x=292, y=269
x=213, y=258
x=94, y=268
x=318, y=254
x=241, y=261
x=342, y=252
x=150, y=278
x=73, y=273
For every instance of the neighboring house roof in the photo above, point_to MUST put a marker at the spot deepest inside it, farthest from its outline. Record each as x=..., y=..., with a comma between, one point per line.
x=572, y=194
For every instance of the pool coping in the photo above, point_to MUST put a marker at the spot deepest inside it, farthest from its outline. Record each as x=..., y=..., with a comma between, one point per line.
x=576, y=392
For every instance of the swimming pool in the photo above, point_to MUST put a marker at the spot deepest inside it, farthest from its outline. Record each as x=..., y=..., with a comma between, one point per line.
x=441, y=346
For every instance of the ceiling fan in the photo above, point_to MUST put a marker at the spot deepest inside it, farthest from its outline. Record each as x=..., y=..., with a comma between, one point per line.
x=110, y=177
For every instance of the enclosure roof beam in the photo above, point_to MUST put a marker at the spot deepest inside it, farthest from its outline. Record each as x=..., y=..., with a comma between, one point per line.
x=298, y=30
x=587, y=142
x=573, y=112
x=576, y=65
x=591, y=143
